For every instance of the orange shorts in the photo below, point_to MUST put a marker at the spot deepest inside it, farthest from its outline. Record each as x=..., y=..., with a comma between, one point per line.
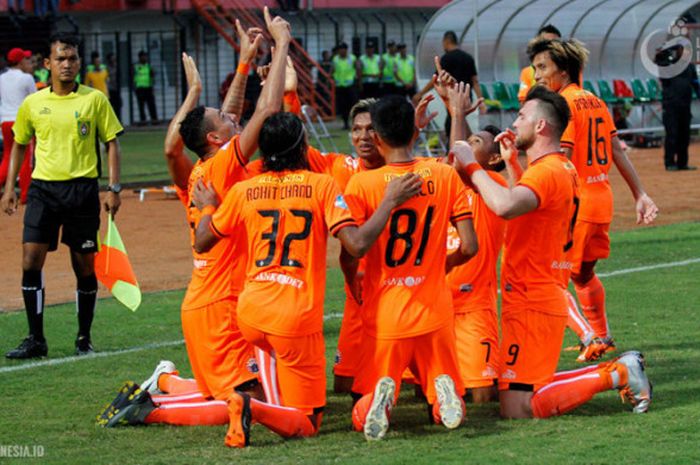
x=292, y=369
x=347, y=357
x=591, y=243
x=428, y=356
x=530, y=347
x=477, y=347
x=220, y=358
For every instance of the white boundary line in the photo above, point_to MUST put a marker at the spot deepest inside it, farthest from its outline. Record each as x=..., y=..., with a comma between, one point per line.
x=330, y=316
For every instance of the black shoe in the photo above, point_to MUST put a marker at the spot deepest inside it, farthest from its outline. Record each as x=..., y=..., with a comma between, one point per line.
x=687, y=168
x=131, y=407
x=29, y=348
x=671, y=168
x=83, y=346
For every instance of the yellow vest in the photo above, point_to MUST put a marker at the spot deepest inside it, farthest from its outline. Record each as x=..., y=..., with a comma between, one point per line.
x=344, y=70
x=142, y=75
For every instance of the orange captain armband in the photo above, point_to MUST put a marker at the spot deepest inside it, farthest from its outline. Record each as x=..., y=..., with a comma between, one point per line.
x=208, y=210
x=243, y=68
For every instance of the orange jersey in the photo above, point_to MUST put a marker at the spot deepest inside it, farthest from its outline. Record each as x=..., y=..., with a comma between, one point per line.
x=537, y=242
x=589, y=136
x=474, y=285
x=211, y=276
x=527, y=80
x=404, y=289
x=285, y=218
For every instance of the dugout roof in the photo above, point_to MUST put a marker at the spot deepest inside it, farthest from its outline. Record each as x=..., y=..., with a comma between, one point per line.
x=613, y=31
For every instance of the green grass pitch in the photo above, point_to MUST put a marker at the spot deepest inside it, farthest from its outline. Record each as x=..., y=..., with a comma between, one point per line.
x=655, y=311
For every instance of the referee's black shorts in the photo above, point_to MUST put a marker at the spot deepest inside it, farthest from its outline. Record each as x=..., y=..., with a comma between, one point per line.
x=73, y=205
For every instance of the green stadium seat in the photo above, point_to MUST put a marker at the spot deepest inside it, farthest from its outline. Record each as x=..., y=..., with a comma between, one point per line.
x=500, y=93
x=588, y=85
x=654, y=89
x=488, y=101
x=641, y=95
x=606, y=92
x=513, y=90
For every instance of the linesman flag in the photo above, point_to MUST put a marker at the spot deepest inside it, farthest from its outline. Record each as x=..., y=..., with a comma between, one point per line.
x=113, y=269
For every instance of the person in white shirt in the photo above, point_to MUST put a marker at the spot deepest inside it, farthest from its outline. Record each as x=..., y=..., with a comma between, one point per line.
x=15, y=85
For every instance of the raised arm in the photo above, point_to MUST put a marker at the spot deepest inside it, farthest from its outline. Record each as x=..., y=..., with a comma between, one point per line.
x=270, y=100
x=509, y=154
x=179, y=164
x=644, y=205
x=249, y=41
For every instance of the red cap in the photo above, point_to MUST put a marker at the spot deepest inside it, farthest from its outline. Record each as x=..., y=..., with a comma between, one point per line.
x=16, y=55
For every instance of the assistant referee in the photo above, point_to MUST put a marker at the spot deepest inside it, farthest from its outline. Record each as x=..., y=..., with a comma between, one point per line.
x=67, y=120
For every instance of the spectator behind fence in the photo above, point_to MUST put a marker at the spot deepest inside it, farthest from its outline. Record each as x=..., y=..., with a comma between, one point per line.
x=323, y=83
x=677, y=96
x=97, y=74
x=143, y=87
x=115, y=96
x=405, y=72
x=41, y=73
x=15, y=85
x=344, y=74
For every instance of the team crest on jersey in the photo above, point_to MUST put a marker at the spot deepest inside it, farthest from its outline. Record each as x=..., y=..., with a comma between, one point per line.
x=466, y=287
x=340, y=202
x=338, y=357
x=83, y=128
x=252, y=366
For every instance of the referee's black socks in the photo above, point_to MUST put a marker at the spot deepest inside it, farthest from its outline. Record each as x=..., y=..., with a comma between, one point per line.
x=33, y=293
x=86, y=298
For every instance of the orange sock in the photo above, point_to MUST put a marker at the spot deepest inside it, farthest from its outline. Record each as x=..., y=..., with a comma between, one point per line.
x=288, y=422
x=213, y=412
x=184, y=397
x=359, y=412
x=173, y=384
x=559, y=397
x=576, y=322
x=592, y=298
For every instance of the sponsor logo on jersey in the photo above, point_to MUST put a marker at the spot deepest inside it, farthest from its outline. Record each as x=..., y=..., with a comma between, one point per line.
x=340, y=202
x=88, y=244
x=509, y=374
x=252, y=366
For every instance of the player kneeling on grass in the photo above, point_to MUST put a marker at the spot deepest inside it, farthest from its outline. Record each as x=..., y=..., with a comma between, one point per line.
x=407, y=307
x=541, y=210
x=286, y=213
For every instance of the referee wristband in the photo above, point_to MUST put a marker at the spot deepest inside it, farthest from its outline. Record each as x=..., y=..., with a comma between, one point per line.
x=243, y=68
x=208, y=210
x=472, y=168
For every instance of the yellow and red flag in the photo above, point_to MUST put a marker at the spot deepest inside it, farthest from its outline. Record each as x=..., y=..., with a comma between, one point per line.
x=113, y=269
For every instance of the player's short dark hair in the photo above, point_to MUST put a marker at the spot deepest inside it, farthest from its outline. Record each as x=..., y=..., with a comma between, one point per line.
x=64, y=38
x=569, y=55
x=94, y=55
x=494, y=131
x=450, y=36
x=193, y=130
x=393, y=120
x=549, y=29
x=362, y=106
x=553, y=108
x=282, y=143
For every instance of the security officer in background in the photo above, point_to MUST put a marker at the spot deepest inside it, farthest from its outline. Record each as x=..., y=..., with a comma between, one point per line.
x=344, y=74
x=676, y=98
x=143, y=85
x=405, y=72
x=388, y=81
x=67, y=119
x=369, y=68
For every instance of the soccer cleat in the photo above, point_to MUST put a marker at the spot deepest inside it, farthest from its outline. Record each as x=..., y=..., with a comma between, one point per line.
x=151, y=384
x=240, y=419
x=131, y=407
x=377, y=421
x=28, y=348
x=450, y=403
x=83, y=346
x=638, y=390
x=595, y=349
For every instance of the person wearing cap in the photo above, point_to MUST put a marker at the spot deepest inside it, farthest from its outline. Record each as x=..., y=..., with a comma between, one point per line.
x=405, y=72
x=68, y=120
x=369, y=68
x=344, y=74
x=97, y=75
x=143, y=86
x=15, y=85
x=388, y=81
